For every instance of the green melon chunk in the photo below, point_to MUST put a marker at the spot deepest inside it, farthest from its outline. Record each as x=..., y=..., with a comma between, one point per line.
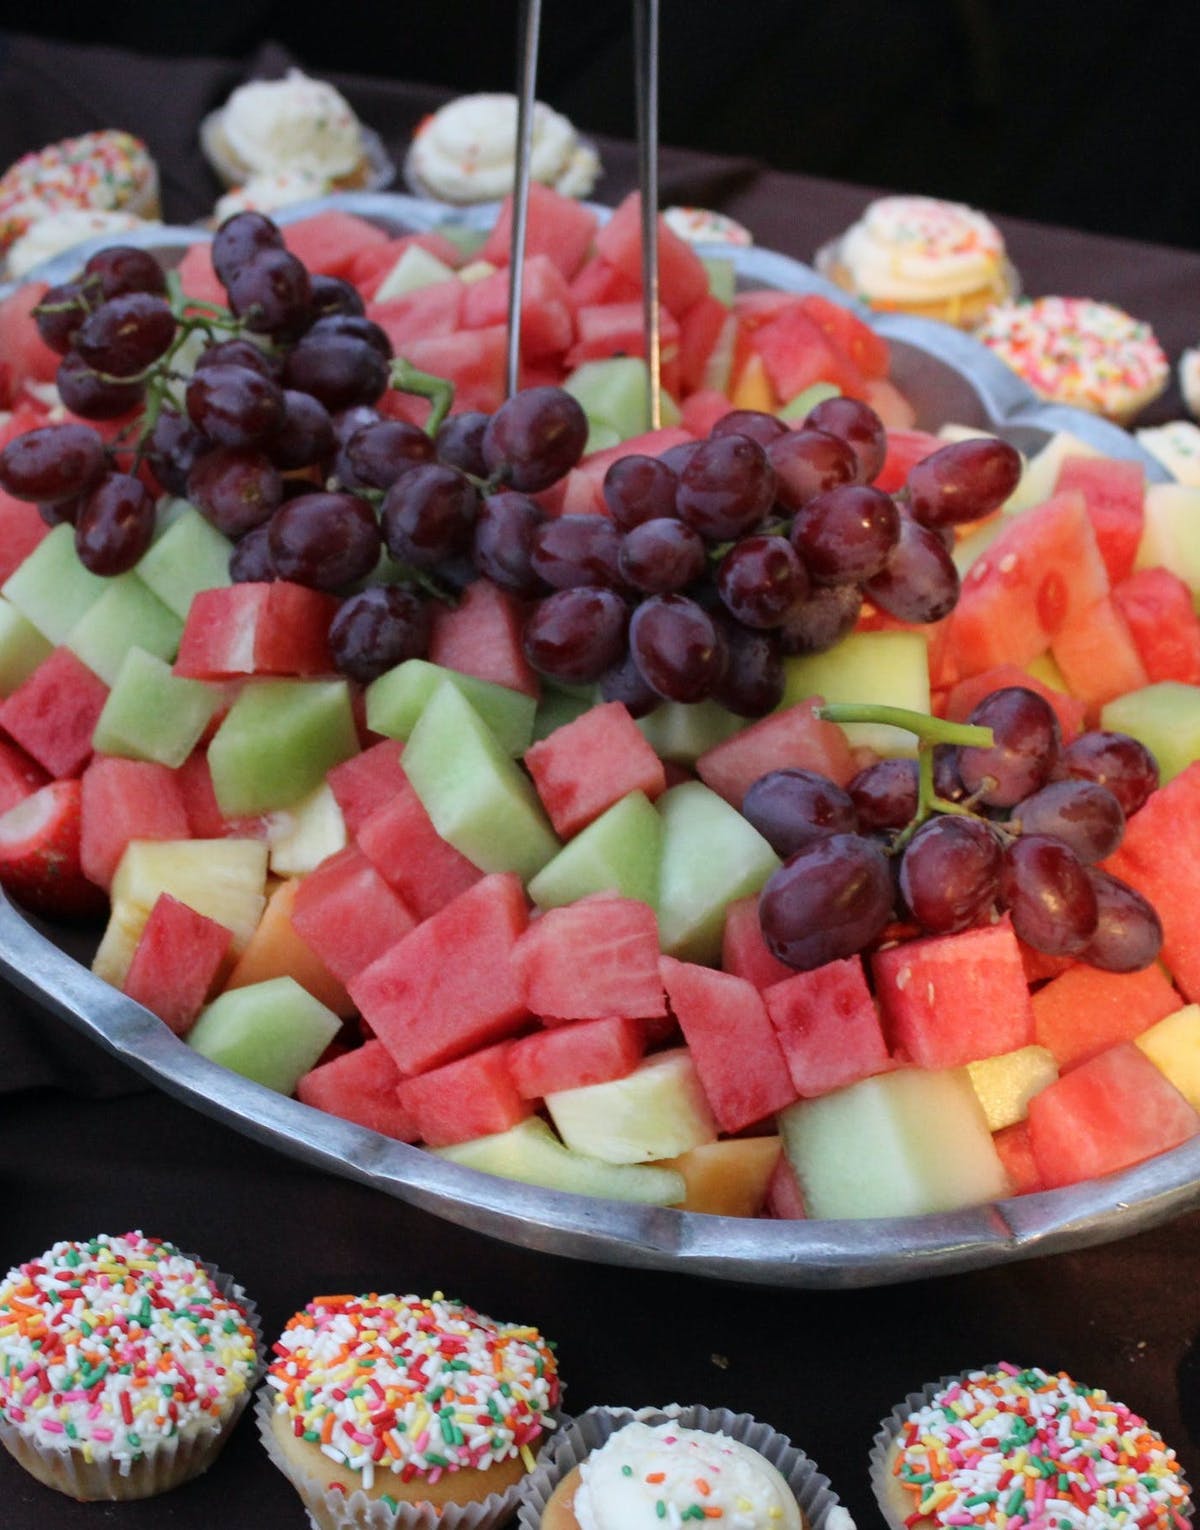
x=416, y=268
x=800, y=407
x=51, y=588
x=126, y=616
x=901, y=1144
x=722, y=277
x=891, y=668
x=711, y=856
x=557, y=707
x=478, y=798
x=616, y=392
x=152, y=713
x=22, y=648
x=396, y=700
x=1165, y=717
x=1042, y=470
x=277, y=742
x=188, y=555
x=270, y=1032
x=1171, y=534
x=531, y=1153
x=601, y=437
x=618, y=852
x=658, y=1111
x=681, y=732
x=464, y=238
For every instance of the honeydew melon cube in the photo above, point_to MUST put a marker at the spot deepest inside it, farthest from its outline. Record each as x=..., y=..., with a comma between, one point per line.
x=22, y=648
x=270, y=1032
x=601, y=436
x=152, y=713
x=531, y=1153
x=1165, y=717
x=616, y=392
x=657, y=1111
x=618, y=852
x=722, y=277
x=1173, y=1046
x=127, y=615
x=478, y=799
x=277, y=742
x=463, y=237
x=1006, y=1084
x=900, y=1144
x=1042, y=470
x=51, y=588
x=416, y=268
x=303, y=836
x=888, y=668
x=800, y=407
x=1170, y=533
x=188, y=555
x=711, y=856
x=682, y=732
x=475, y=271
x=396, y=700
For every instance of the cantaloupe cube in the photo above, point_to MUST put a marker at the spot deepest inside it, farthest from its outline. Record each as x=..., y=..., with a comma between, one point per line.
x=1173, y=1046
x=1006, y=1084
x=728, y=1178
x=276, y=950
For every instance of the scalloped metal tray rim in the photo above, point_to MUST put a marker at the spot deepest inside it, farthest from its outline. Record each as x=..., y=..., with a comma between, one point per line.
x=811, y=1254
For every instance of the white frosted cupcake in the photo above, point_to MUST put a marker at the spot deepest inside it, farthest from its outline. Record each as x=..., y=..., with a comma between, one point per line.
x=267, y=193
x=921, y=255
x=466, y=152
x=626, y=1469
x=124, y=1365
x=701, y=225
x=106, y=171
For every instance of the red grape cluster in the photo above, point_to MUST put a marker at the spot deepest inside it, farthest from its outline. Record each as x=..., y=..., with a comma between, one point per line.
x=1017, y=826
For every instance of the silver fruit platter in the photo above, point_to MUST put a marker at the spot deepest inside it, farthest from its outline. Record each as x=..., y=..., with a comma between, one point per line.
x=948, y=376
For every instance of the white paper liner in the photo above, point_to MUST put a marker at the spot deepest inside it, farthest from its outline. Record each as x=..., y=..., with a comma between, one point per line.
x=581, y=1436
x=882, y=1481
x=166, y=1464
x=330, y=1510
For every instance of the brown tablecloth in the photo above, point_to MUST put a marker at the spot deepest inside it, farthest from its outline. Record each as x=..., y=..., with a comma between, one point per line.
x=824, y=1368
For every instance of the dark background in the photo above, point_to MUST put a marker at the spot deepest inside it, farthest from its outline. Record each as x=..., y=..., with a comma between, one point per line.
x=1084, y=113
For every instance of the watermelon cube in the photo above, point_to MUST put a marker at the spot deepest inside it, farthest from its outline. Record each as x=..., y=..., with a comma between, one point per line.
x=257, y=629
x=964, y=697
x=197, y=277
x=1114, y=492
x=744, y=951
x=400, y=841
x=905, y=448
x=21, y=529
x=589, y=959
x=843, y=328
x=449, y=986
x=796, y=353
x=472, y=359
x=472, y=1097
x=949, y=999
x=1111, y=1112
x=572, y=1056
x=1085, y=1010
x=347, y=914
x=558, y=227
x=795, y=737
x=598, y=282
x=547, y=306
x=481, y=636
x=177, y=962
x=1015, y=1151
x=828, y=1027
x=53, y=715
x=618, y=329
x=1097, y=655
x=360, y=1086
x=24, y=355
x=327, y=242
x=423, y=314
x=735, y=1051
x=682, y=279
x=589, y=764
x=1158, y=611
x=367, y=781
x=124, y=800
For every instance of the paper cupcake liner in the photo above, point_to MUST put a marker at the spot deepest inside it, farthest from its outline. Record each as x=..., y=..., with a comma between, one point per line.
x=581, y=1436
x=166, y=1464
x=329, y=1509
x=967, y=311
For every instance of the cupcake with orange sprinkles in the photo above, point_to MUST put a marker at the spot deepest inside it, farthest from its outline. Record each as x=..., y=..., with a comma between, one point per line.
x=105, y=171
x=397, y=1411
x=124, y=1365
x=1007, y=1448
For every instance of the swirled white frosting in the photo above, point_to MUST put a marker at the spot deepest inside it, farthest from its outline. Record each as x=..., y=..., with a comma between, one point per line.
x=466, y=152
x=60, y=231
x=916, y=249
x=264, y=193
x=296, y=123
x=647, y=1476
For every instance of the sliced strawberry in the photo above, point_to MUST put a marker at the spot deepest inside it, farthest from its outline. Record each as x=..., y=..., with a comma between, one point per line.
x=39, y=854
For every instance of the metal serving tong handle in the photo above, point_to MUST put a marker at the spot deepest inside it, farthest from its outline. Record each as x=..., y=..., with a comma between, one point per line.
x=645, y=53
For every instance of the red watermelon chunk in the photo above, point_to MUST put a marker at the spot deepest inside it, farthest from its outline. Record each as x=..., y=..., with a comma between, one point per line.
x=794, y=737
x=20, y=776
x=682, y=279
x=1157, y=608
x=205, y=819
x=327, y=242
x=276, y=628
x=472, y=359
x=828, y=1027
x=1109, y=1113
x=482, y=636
x=1097, y=656
x=1041, y=572
x=177, y=962
x=617, y=329
x=372, y=262
x=796, y=353
x=581, y=492
x=700, y=411
x=24, y=355
x=54, y=713
x=547, y=307
x=360, y=1086
x=905, y=448
x=967, y=694
x=785, y=1199
x=125, y=800
x=706, y=339
x=951, y=999
x=599, y=282
x=400, y=841
x=197, y=277
x=1040, y=966
x=1085, y=1011
x=347, y=913
x=576, y=1055
x=851, y=335
x=557, y=226
x=893, y=408
x=737, y=1056
x=585, y=766
x=423, y=314
x=744, y=951
x=1015, y=1151
x=367, y=781
x=473, y=1097
x=589, y=959
x=1160, y=856
x=1115, y=493
x=21, y=529
x=448, y=987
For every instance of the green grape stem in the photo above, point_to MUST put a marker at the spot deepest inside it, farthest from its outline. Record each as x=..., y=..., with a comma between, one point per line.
x=406, y=378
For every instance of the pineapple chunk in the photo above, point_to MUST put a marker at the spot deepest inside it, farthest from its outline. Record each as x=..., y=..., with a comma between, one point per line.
x=1173, y=1046
x=657, y=1111
x=1006, y=1084
x=303, y=836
